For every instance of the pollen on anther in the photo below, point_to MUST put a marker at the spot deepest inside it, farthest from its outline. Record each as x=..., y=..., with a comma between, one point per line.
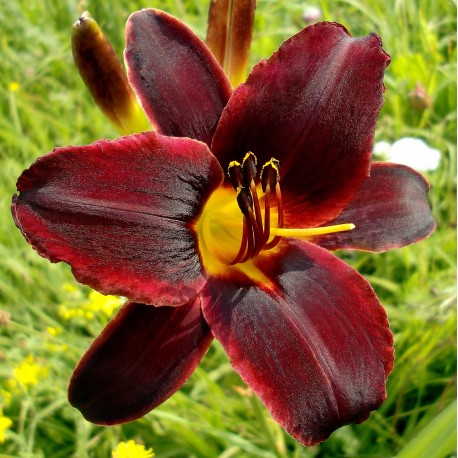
x=270, y=174
x=235, y=174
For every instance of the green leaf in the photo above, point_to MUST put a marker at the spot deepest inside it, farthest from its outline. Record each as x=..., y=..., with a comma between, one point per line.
x=437, y=438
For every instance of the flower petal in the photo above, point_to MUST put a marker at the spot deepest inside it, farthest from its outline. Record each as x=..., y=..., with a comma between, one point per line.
x=390, y=210
x=313, y=106
x=141, y=358
x=313, y=343
x=121, y=213
x=181, y=86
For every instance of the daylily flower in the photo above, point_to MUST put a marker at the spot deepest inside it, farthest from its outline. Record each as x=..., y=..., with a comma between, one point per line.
x=239, y=256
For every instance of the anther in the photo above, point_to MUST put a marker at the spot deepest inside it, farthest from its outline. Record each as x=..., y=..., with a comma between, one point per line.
x=245, y=201
x=256, y=231
x=270, y=174
x=235, y=174
x=249, y=168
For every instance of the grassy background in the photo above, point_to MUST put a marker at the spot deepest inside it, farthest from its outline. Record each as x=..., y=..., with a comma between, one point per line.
x=43, y=104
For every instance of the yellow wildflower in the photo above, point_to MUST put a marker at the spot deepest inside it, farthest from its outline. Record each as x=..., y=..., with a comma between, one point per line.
x=5, y=398
x=130, y=449
x=56, y=348
x=95, y=305
x=28, y=372
x=14, y=86
x=53, y=331
x=106, y=304
x=69, y=288
x=5, y=423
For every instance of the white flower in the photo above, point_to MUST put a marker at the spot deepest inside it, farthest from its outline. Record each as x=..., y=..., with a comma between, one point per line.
x=311, y=14
x=382, y=148
x=410, y=151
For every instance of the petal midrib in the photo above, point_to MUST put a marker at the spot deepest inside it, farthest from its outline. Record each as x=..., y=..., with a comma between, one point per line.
x=92, y=206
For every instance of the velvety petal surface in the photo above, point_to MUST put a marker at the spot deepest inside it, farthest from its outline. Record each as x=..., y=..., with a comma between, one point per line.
x=312, y=341
x=313, y=106
x=390, y=210
x=121, y=213
x=181, y=86
x=141, y=358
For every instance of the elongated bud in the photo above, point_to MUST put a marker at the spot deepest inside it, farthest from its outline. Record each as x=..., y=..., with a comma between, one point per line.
x=104, y=75
x=230, y=28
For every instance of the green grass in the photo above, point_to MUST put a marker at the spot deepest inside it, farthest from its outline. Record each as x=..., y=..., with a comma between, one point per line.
x=214, y=415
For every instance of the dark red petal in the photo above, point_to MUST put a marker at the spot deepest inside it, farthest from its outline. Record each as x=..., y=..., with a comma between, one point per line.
x=313, y=105
x=313, y=343
x=390, y=210
x=141, y=358
x=122, y=214
x=181, y=86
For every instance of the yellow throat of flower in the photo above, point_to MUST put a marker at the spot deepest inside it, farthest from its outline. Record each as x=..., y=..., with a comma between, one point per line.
x=236, y=227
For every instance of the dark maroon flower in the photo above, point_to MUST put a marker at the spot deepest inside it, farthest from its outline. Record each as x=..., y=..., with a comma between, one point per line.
x=234, y=256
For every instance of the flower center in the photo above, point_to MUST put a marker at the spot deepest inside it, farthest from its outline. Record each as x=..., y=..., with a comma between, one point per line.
x=233, y=231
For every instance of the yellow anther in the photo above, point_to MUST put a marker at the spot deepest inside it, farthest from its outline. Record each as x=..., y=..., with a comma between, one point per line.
x=274, y=163
x=248, y=155
x=233, y=164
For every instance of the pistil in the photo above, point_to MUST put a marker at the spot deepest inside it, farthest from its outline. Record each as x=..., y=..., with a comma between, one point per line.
x=310, y=232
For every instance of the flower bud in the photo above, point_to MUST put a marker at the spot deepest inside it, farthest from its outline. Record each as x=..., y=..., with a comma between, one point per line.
x=230, y=28
x=419, y=98
x=104, y=75
x=5, y=318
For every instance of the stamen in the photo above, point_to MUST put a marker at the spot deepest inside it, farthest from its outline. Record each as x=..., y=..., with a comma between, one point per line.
x=270, y=174
x=249, y=175
x=270, y=179
x=257, y=234
x=251, y=240
x=310, y=232
x=245, y=201
x=257, y=207
x=242, y=245
x=267, y=213
x=276, y=240
x=235, y=174
x=257, y=229
x=249, y=168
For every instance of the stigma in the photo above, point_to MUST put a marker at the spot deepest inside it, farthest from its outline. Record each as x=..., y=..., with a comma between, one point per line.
x=233, y=231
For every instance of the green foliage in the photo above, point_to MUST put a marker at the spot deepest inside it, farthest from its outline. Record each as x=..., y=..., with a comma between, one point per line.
x=43, y=104
x=437, y=438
